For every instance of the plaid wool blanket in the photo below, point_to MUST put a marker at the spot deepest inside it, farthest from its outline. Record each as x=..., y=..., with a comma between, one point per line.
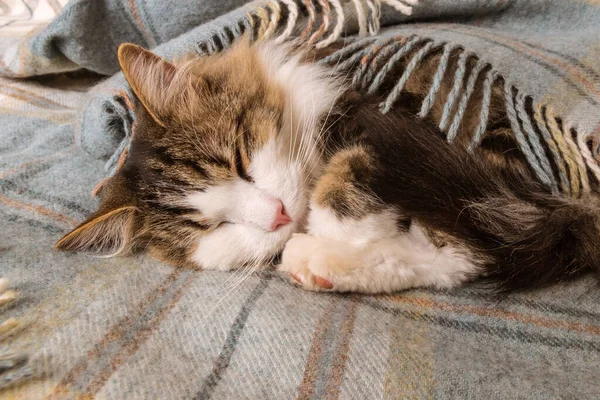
x=73, y=326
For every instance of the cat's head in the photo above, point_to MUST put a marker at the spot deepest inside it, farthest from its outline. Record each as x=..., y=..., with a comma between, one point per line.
x=221, y=161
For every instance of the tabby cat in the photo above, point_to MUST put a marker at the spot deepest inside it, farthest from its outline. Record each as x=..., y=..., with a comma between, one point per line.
x=239, y=156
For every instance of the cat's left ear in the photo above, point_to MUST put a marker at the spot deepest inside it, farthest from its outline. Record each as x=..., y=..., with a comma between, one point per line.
x=149, y=76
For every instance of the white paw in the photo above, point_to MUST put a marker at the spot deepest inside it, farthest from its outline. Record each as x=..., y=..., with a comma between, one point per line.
x=320, y=264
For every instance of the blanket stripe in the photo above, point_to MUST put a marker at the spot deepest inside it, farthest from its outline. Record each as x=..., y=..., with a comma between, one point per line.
x=222, y=362
x=326, y=361
x=125, y=338
x=134, y=328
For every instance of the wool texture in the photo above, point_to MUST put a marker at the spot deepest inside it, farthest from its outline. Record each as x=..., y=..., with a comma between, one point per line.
x=74, y=326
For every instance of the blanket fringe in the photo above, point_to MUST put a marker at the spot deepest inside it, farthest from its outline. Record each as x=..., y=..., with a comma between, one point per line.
x=563, y=157
x=559, y=154
x=278, y=20
x=324, y=23
x=14, y=366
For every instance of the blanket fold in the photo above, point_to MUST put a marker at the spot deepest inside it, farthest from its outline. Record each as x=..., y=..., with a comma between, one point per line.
x=75, y=326
x=533, y=49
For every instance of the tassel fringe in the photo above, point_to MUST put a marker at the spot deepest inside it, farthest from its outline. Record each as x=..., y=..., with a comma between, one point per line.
x=14, y=366
x=563, y=157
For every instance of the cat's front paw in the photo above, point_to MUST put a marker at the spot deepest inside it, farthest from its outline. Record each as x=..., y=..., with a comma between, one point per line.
x=317, y=263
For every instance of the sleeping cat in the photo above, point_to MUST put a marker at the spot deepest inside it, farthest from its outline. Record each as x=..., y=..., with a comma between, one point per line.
x=239, y=156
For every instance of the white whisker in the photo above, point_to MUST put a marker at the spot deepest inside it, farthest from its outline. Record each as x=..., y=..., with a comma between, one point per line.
x=248, y=270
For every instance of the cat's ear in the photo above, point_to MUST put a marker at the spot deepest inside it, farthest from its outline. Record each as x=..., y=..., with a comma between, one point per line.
x=104, y=233
x=149, y=77
x=110, y=230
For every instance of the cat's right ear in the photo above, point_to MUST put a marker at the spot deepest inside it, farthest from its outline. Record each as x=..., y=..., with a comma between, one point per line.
x=112, y=229
x=149, y=76
x=105, y=233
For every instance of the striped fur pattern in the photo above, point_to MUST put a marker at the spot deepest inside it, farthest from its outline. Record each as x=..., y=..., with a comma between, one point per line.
x=235, y=152
x=218, y=147
x=109, y=328
x=511, y=127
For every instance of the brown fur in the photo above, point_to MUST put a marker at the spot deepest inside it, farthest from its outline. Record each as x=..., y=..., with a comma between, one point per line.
x=344, y=185
x=199, y=120
x=499, y=148
x=521, y=235
x=197, y=123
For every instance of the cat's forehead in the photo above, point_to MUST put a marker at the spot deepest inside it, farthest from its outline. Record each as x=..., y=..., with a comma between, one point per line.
x=234, y=96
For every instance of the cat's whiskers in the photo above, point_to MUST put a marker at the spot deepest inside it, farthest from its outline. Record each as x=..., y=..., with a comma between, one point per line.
x=226, y=110
x=324, y=129
x=246, y=272
x=289, y=137
x=296, y=130
x=309, y=152
x=308, y=123
x=149, y=241
x=234, y=278
x=321, y=148
x=231, y=286
x=307, y=131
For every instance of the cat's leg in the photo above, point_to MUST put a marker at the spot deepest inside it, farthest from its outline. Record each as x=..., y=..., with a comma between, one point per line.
x=386, y=265
x=356, y=243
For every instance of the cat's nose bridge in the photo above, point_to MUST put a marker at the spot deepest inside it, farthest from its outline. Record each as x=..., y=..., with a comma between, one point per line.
x=274, y=213
x=265, y=211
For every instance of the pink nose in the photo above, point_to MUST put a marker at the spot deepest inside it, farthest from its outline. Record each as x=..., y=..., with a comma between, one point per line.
x=281, y=218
